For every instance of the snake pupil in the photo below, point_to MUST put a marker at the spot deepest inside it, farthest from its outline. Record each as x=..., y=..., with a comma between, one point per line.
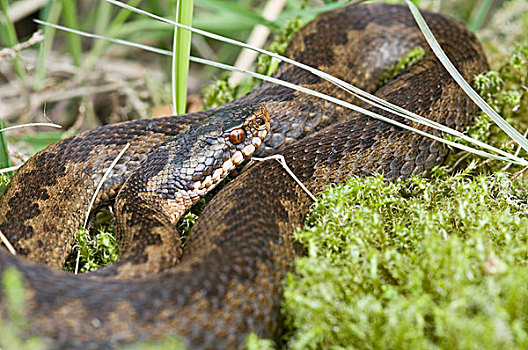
x=237, y=136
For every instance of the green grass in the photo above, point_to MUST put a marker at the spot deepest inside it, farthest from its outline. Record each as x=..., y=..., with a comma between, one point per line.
x=4, y=160
x=181, y=52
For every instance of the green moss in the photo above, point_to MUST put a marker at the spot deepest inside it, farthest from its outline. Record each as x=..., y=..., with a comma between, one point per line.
x=4, y=180
x=423, y=263
x=253, y=342
x=171, y=342
x=267, y=65
x=414, y=55
x=505, y=90
x=218, y=93
x=96, y=248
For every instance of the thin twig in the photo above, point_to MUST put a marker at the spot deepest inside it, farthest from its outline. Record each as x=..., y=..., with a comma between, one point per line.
x=467, y=154
x=53, y=125
x=7, y=243
x=12, y=168
x=36, y=38
x=280, y=158
x=105, y=176
x=517, y=174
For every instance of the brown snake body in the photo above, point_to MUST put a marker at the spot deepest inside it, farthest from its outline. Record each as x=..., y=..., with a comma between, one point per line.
x=228, y=282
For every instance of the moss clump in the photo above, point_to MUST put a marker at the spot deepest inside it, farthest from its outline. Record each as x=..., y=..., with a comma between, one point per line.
x=267, y=65
x=218, y=93
x=95, y=248
x=4, y=180
x=422, y=263
x=253, y=342
x=414, y=55
x=505, y=90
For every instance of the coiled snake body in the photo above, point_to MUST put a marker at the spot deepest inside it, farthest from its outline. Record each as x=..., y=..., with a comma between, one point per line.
x=228, y=282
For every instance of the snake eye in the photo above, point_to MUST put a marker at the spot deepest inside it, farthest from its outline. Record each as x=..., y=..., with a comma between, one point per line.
x=237, y=136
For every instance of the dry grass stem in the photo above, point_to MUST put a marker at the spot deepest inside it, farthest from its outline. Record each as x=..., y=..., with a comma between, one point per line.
x=12, y=168
x=36, y=38
x=519, y=173
x=105, y=176
x=8, y=245
x=280, y=158
x=53, y=125
x=257, y=38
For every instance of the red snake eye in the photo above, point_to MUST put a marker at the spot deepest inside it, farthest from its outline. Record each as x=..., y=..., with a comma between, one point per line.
x=237, y=136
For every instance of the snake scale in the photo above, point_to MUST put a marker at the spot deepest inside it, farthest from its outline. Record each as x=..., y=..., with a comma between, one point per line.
x=227, y=283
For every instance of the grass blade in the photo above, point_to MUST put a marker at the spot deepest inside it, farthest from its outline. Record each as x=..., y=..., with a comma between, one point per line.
x=52, y=12
x=74, y=41
x=115, y=26
x=4, y=159
x=4, y=154
x=180, y=57
x=477, y=20
x=504, y=156
x=429, y=37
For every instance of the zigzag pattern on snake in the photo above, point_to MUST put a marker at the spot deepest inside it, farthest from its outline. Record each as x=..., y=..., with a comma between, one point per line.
x=228, y=282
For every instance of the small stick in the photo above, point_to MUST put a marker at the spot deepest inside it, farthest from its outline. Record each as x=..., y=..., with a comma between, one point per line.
x=280, y=158
x=7, y=243
x=12, y=168
x=517, y=174
x=31, y=124
x=36, y=38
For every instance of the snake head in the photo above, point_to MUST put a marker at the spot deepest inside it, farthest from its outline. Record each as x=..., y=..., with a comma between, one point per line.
x=230, y=136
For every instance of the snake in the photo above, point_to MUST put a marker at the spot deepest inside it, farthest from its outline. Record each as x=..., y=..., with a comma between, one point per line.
x=227, y=282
